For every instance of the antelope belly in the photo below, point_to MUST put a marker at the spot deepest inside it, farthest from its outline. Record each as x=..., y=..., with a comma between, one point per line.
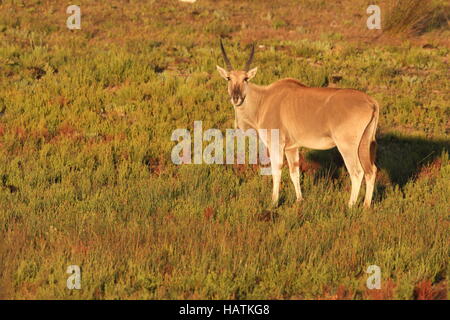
x=323, y=143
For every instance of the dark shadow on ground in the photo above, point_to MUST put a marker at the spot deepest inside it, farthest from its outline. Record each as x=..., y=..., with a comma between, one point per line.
x=401, y=157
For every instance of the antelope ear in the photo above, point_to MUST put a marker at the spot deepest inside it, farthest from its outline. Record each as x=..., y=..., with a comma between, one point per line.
x=223, y=72
x=252, y=73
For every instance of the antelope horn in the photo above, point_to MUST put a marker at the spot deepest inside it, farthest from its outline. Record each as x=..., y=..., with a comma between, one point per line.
x=250, y=59
x=225, y=58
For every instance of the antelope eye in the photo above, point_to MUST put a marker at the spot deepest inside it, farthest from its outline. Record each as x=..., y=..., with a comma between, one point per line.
x=228, y=78
x=246, y=79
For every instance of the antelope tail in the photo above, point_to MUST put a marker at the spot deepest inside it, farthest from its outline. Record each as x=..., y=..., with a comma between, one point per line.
x=367, y=146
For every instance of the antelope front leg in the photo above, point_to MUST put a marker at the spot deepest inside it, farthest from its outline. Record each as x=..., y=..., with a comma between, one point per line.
x=276, y=163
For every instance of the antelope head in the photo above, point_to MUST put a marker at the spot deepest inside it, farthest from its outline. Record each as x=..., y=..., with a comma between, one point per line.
x=237, y=79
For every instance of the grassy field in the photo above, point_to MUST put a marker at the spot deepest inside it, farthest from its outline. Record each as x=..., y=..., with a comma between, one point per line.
x=86, y=118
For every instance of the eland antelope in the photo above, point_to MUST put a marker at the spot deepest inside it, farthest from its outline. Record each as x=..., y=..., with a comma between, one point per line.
x=315, y=118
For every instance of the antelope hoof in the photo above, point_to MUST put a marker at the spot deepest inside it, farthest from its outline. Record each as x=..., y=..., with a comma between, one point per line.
x=275, y=203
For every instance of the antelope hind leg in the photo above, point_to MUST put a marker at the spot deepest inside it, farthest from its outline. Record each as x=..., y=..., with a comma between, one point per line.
x=370, y=184
x=351, y=160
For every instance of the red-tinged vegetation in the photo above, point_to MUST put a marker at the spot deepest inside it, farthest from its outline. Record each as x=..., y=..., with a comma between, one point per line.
x=430, y=170
x=342, y=293
x=209, y=213
x=156, y=165
x=308, y=166
x=425, y=290
x=245, y=170
x=386, y=292
x=20, y=133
